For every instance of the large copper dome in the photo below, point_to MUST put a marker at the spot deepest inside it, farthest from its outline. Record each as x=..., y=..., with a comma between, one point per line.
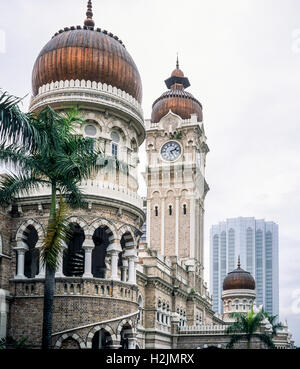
x=239, y=279
x=87, y=54
x=176, y=99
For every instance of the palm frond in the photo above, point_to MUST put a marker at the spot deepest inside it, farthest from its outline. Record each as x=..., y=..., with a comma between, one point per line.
x=15, y=157
x=15, y=126
x=12, y=185
x=234, y=339
x=58, y=232
x=267, y=340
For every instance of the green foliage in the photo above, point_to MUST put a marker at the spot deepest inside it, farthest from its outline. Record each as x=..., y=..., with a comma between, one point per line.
x=58, y=232
x=192, y=291
x=246, y=326
x=11, y=343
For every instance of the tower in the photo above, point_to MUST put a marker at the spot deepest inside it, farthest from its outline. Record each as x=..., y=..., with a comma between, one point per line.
x=175, y=175
x=238, y=291
x=87, y=67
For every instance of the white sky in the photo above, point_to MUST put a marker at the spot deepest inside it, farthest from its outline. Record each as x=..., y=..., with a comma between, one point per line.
x=242, y=58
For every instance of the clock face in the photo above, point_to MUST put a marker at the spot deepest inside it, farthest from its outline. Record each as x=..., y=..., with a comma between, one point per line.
x=171, y=150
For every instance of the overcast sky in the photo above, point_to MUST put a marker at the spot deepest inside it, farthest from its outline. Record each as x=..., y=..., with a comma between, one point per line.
x=242, y=58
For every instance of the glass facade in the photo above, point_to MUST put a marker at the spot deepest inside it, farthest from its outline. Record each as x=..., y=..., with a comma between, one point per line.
x=256, y=241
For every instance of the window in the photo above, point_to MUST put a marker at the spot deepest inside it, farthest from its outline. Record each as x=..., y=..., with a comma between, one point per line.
x=170, y=209
x=114, y=150
x=184, y=209
x=156, y=211
x=244, y=304
x=236, y=304
x=115, y=138
x=90, y=130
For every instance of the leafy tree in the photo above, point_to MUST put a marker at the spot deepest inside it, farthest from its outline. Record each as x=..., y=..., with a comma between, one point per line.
x=43, y=149
x=246, y=326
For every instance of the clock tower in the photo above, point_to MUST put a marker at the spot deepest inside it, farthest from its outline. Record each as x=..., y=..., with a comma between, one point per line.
x=175, y=174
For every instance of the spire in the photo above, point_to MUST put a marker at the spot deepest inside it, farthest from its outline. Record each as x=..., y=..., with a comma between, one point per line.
x=177, y=62
x=89, y=16
x=239, y=262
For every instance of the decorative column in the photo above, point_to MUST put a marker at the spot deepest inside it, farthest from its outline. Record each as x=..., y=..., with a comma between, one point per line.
x=162, y=224
x=124, y=268
x=176, y=224
x=59, y=273
x=41, y=266
x=131, y=342
x=131, y=269
x=21, y=249
x=88, y=247
x=114, y=254
x=113, y=250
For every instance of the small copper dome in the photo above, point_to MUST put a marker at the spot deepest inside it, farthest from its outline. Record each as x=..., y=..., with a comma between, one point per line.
x=87, y=54
x=176, y=99
x=177, y=73
x=239, y=279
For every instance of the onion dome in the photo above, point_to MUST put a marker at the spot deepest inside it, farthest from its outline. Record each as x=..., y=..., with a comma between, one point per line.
x=85, y=53
x=176, y=99
x=239, y=279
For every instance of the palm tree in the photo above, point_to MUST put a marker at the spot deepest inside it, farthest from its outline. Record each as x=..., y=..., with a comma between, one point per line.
x=44, y=149
x=246, y=327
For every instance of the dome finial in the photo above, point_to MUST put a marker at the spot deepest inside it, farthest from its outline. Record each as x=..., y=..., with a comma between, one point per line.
x=239, y=262
x=177, y=62
x=89, y=22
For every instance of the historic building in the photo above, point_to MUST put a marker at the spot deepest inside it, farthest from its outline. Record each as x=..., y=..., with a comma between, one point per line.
x=115, y=288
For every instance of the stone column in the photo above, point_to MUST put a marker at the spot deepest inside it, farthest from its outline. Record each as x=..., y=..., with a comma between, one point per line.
x=113, y=250
x=88, y=247
x=131, y=343
x=4, y=307
x=162, y=224
x=114, y=265
x=21, y=249
x=124, y=268
x=176, y=224
x=59, y=273
x=41, y=266
x=131, y=269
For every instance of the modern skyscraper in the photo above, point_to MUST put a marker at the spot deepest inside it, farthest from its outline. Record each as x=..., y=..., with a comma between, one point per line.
x=256, y=241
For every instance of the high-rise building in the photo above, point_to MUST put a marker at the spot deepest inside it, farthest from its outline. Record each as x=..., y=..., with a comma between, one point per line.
x=256, y=241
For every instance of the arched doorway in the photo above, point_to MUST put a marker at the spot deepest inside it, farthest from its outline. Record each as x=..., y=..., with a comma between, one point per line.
x=69, y=344
x=101, y=241
x=126, y=334
x=101, y=340
x=73, y=261
x=31, y=267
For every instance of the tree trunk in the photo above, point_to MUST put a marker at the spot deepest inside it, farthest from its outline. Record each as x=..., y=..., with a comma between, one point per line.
x=249, y=344
x=48, y=308
x=49, y=287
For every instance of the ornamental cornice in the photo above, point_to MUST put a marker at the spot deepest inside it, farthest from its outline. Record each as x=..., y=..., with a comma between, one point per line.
x=92, y=93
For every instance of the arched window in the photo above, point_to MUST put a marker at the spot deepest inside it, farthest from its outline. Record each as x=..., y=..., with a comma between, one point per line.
x=115, y=138
x=31, y=267
x=156, y=211
x=236, y=304
x=73, y=260
x=184, y=209
x=170, y=209
x=244, y=304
